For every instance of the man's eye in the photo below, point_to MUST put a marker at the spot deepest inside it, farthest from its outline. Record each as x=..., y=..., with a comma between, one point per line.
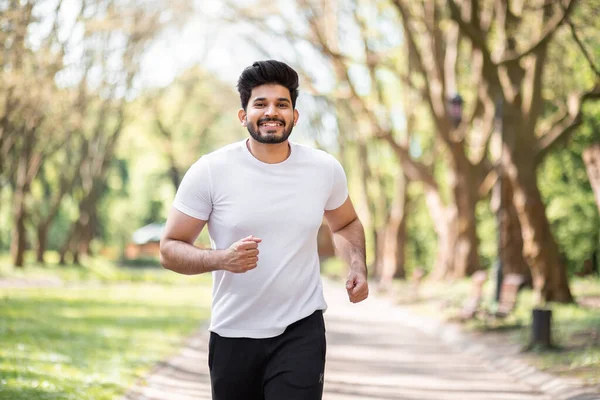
x=283, y=105
x=258, y=104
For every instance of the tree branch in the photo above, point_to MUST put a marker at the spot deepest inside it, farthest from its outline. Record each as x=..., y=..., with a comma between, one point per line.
x=487, y=178
x=567, y=124
x=414, y=170
x=432, y=22
x=410, y=37
x=473, y=32
x=451, y=59
x=545, y=37
x=586, y=54
x=435, y=88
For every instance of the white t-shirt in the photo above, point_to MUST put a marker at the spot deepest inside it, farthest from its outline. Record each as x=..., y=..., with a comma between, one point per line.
x=282, y=204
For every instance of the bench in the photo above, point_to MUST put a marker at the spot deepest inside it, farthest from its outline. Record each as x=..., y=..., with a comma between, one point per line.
x=472, y=304
x=509, y=292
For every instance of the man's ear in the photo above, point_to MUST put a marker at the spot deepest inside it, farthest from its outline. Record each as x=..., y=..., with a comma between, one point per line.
x=296, y=116
x=242, y=116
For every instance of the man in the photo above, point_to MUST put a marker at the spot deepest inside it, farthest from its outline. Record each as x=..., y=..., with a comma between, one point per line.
x=263, y=200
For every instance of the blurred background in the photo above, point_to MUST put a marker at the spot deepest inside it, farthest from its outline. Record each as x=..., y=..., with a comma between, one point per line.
x=469, y=131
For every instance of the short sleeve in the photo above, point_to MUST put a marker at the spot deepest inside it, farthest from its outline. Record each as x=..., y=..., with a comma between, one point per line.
x=193, y=196
x=339, y=186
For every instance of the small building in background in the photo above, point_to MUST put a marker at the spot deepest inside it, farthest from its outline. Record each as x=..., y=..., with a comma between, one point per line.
x=145, y=242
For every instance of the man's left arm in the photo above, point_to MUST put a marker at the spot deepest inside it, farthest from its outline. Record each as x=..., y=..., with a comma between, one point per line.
x=349, y=240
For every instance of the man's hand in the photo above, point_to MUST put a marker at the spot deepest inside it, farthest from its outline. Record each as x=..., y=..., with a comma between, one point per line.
x=242, y=256
x=357, y=287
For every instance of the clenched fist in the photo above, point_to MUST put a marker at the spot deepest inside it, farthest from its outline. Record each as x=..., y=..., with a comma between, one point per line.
x=357, y=287
x=242, y=256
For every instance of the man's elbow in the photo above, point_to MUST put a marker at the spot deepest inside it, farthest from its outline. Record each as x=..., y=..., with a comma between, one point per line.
x=164, y=253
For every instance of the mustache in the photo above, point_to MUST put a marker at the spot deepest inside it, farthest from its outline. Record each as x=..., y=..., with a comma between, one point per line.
x=263, y=120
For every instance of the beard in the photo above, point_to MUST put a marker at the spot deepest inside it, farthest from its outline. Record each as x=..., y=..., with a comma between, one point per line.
x=269, y=138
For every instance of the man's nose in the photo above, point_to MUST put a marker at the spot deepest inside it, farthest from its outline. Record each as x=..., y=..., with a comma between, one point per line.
x=271, y=110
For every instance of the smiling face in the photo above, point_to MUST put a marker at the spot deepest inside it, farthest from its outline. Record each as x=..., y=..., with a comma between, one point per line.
x=269, y=116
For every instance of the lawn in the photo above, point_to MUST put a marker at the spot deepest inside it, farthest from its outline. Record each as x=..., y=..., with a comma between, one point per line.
x=94, y=334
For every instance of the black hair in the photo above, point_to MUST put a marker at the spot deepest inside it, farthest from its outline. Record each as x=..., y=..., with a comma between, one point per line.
x=267, y=72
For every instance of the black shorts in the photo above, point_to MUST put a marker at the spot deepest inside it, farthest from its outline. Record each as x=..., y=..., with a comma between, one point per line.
x=290, y=366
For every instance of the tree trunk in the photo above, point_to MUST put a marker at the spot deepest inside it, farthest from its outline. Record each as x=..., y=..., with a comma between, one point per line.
x=76, y=256
x=89, y=225
x=591, y=158
x=80, y=242
x=375, y=267
x=401, y=248
x=466, y=258
x=42, y=242
x=440, y=216
x=63, y=256
x=458, y=253
x=174, y=174
x=510, y=251
x=540, y=250
x=66, y=185
x=392, y=249
x=18, y=241
x=68, y=244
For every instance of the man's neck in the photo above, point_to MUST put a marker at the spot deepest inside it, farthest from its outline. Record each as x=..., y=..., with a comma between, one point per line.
x=272, y=153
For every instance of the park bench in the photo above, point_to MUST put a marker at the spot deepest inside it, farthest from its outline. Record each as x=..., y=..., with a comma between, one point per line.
x=473, y=303
x=509, y=292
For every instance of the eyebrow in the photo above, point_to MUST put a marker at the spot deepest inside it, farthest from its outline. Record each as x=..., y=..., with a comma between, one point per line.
x=264, y=99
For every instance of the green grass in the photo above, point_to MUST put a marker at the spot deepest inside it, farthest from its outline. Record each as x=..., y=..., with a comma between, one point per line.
x=94, y=336
x=98, y=270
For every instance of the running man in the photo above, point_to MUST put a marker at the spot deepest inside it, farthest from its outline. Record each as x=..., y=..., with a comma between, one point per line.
x=263, y=200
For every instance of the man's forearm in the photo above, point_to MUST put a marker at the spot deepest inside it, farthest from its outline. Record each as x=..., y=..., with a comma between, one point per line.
x=350, y=244
x=184, y=258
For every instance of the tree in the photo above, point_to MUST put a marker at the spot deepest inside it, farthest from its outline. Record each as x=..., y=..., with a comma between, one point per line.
x=189, y=117
x=512, y=69
x=591, y=157
x=29, y=82
x=140, y=26
x=41, y=92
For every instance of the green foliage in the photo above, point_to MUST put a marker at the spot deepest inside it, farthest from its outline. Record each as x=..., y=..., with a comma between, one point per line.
x=487, y=232
x=571, y=206
x=422, y=240
x=59, y=229
x=5, y=219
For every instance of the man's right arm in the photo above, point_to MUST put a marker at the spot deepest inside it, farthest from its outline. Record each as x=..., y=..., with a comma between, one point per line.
x=178, y=253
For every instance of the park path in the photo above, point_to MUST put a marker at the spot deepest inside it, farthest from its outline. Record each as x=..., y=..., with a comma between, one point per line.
x=378, y=351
